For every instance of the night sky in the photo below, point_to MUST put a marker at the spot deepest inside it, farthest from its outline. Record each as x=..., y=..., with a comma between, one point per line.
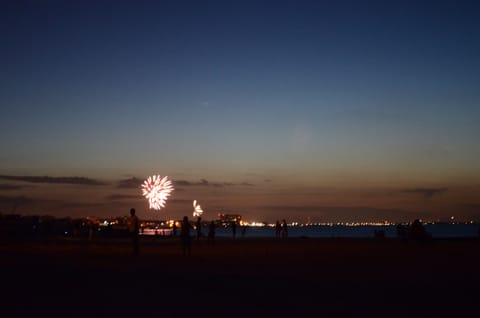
x=332, y=110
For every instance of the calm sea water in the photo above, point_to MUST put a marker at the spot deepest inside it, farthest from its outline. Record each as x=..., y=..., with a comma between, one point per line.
x=437, y=231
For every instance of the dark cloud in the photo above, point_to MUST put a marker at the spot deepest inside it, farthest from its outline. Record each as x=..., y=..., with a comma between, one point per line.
x=201, y=183
x=22, y=204
x=7, y=187
x=15, y=199
x=474, y=206
x=206, y=183
x=427, y=193
x=130, y=183
x=182, y=183
x=183, y=201
x=117, y=197
x=75, y=205
x=58, y=204
x=121, y=197
x=59, y=180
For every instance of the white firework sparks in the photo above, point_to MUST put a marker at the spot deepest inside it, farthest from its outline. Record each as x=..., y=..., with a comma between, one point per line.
x=197, y=209
x=157, y=190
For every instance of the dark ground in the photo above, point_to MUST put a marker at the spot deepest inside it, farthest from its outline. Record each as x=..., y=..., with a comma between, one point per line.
x=242, y=278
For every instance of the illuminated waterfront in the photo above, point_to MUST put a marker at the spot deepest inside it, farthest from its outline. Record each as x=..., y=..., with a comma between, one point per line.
x=33, y=226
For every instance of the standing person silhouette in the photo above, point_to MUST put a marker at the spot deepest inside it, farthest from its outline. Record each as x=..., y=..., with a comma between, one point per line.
x=211, y=232
x=133, y=227
x=185, y=236
x=234, y=228
x=198, y=226
x=244, y=229
x=284, y=229
x=278, y=229
x=174, y=231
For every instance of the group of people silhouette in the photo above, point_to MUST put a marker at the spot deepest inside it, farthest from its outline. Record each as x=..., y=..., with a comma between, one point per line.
x=415, y=231
x=281, y=229
x=185, y=232
x=186, y=237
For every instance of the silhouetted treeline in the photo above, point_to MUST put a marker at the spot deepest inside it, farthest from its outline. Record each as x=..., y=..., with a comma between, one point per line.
x=44, y=227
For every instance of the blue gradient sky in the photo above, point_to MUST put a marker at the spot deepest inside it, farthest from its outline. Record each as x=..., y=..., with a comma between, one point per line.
x=339, y=95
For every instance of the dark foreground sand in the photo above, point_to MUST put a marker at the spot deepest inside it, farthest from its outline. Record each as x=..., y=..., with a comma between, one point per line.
x=242, y=278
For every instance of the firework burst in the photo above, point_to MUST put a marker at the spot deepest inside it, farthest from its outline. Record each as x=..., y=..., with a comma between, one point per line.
x=157, y=190
x=197, y=209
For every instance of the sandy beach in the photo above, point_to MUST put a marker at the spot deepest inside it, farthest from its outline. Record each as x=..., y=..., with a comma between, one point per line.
x=241, y=278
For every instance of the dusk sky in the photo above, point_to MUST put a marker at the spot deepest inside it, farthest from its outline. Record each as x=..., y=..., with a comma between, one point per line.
x=332, y=110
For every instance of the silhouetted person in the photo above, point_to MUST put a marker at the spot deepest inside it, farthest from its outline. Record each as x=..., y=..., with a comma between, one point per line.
x=91, y=229
x=185, y=236
x=278, y=229
x=284, y=230
x=133, y=227
x=76, y=229
x=198, y=227
x=211, y=232
x=244, y=230
x=233, y=224
x=402, y=232
x=174, y=228
x=417, y=231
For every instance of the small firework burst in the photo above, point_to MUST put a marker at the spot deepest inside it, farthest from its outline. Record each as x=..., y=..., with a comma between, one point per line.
x=197, y=209
x=157, y=190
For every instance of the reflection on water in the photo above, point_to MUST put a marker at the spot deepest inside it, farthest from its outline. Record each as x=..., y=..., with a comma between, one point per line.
x=335, y=231
x=161, y=232
x=437, y=231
